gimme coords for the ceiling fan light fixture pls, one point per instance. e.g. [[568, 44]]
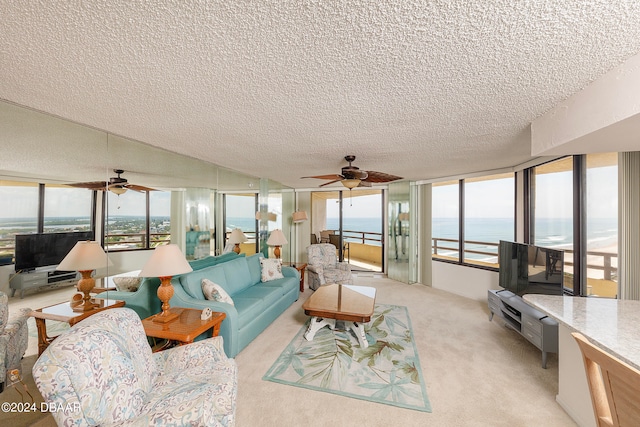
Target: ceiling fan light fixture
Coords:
[[350, 183], [117, 189]]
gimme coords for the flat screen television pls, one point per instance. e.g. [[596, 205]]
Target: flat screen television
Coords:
[[46, 249], [530, 269]]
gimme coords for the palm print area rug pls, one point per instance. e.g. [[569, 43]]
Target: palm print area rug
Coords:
[[388, 371]]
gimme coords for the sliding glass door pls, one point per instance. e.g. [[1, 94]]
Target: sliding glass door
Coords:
[[352, 221]]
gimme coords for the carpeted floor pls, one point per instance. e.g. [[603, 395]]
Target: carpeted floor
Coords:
[[17, 395], [478, 373], [387, 371]]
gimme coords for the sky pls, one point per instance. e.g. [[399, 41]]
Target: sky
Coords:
[[18, 202], [493, 198], [484, 199]]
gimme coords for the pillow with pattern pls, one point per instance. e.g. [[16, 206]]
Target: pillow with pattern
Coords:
[[271, 269], [127, 283], [214, 292]]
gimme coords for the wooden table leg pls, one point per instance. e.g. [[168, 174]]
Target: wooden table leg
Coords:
[[302, 280], [43, 339]]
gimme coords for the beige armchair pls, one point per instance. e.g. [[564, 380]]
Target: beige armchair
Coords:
[[323, 266]]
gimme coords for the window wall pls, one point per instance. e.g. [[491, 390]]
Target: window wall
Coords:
[[552, 211], [126, 222], [602, 225], [240, 212], [446, 220], [18, 215], [489, 216], [576, 209], [67, 209], [482, 209]]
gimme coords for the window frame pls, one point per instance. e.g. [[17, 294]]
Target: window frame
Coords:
[[461, 228]]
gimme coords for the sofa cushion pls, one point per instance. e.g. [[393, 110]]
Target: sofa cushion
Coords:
[[284, 285], [239, 278], [271, 269], [248, 309], [192, 282], [255, 269], [214, 292], [269, 294]]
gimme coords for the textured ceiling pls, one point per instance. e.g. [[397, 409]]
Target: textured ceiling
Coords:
[[284, 89]]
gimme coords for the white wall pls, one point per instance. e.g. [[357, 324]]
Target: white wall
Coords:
[[468, 282], [603, 117]]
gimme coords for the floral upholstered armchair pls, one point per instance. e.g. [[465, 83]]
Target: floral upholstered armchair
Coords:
[[323, 266], [102, 372], [14, 338]]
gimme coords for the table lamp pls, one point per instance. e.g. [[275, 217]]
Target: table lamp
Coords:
[[85, 257], [166, 262], [237, 237], [277, 239]]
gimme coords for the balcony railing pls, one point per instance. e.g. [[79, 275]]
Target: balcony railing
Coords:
[[596, 260], [126, 241]]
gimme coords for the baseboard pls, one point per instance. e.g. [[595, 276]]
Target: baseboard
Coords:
[[578, 418]]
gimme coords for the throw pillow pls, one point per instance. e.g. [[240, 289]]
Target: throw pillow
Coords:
[[271, 269], [214, 292], [127, 283]]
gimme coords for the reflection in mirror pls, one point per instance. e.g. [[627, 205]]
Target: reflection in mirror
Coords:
[[399, 238], [42, 154]]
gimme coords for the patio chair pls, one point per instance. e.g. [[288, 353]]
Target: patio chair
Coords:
[[14, 338], [323, 266]]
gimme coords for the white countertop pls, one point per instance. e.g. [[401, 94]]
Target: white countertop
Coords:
[[611, 324]]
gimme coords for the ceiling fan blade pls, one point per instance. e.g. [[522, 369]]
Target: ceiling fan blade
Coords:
[[330, 182], [330, 176], [376, 177], [138, 187], [96, 185], [364, 184]]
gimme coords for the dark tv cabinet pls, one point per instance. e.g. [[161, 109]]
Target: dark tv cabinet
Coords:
[[537, 328], [39, 278]]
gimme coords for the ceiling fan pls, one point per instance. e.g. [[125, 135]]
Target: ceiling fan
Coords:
[[352, 176], [116, 184]]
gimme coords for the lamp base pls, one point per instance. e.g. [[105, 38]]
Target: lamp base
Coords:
[[85, 285], [165, 317], [86, 306], [165, 292]]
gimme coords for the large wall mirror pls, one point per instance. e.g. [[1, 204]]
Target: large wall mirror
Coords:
[[43, 155]]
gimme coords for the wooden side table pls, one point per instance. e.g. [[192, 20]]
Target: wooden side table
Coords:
[[300, 266], [63, 312], [184, 329]]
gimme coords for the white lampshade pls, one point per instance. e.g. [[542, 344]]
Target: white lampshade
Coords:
[[118, 189], [350, 183], [299, 216], [277, 238], [84, 256], [167, 260], [237, 236]]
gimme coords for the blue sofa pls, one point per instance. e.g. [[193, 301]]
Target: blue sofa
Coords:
[[145, 300], [256, 303]]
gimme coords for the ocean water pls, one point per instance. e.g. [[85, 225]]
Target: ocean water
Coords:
[[557, 233]]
